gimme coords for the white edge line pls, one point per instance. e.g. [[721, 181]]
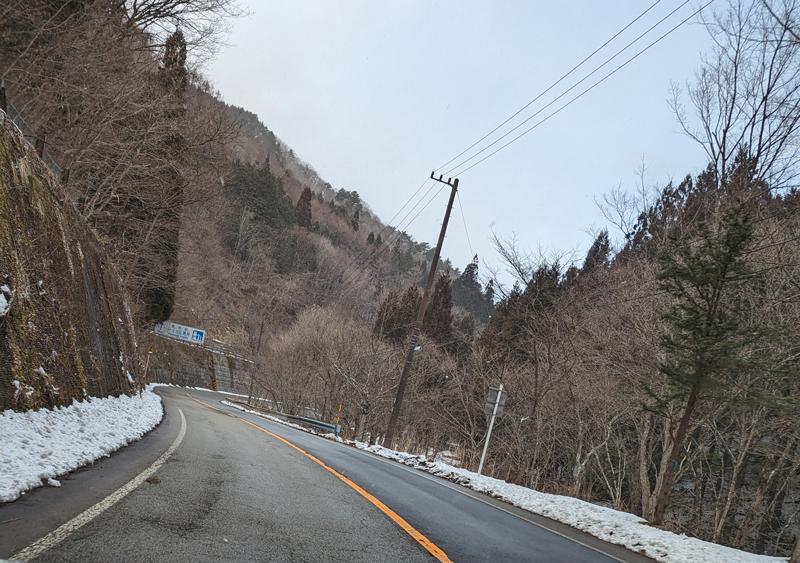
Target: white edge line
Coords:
[[62, 532]]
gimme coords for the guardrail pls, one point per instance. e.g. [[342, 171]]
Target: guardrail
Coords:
[[335, 428]]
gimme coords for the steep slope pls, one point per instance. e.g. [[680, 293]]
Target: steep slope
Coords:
[[65, 330]]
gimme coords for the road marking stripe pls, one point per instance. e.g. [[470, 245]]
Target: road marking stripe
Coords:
[[477, 496], [62, 532], [432, 548]]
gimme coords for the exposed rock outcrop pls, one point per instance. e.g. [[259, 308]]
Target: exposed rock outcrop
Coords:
[[65, 329]]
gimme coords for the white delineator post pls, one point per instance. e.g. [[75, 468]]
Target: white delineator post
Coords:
[[491, 424], [147, 363]]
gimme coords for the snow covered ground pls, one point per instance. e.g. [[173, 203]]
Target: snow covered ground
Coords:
[[611, 525], [268, 416], [38, 446]]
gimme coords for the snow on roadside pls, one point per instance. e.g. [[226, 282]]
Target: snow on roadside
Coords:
[[268, 416], [154, 385], [613, 526], [607, 524], [40, 445]]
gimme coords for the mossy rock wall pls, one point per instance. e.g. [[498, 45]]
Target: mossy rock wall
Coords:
[[65, 330]]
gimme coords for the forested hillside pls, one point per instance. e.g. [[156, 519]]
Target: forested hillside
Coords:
[[659, 374]]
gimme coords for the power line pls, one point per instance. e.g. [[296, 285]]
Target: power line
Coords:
[[361, 268], [386, 226], [399, 228], [372, 254], [739, 278], [373, 251], [782, 214], [779, 243], [398, 231], [559, 81], [592, 87], [556, 83], [464, 221], [353, 276]]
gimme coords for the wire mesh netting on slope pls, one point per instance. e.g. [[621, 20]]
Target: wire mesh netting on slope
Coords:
[[64, 328]]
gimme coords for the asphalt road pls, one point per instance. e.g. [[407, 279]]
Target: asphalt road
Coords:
[[232, 492]]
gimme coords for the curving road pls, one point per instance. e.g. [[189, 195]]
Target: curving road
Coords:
[[242, 488]]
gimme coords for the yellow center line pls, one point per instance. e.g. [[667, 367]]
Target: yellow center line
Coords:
[[410, 530]]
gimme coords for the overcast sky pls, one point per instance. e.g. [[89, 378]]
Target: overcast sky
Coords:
[[376, 95]]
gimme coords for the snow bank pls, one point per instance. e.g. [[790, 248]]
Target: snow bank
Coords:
[[40, 445], [271, 417]]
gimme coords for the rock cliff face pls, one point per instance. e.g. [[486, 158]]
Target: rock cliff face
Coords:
[[65, 329]]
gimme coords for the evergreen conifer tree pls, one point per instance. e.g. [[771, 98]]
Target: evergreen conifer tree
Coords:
[[174, 61], [470, 275], [406, 260], [396, 315], [488, 293], [371, 238], [598, 254], [261, 192], [707, 331], [354, 220], [438, 322], [386, 321], [468, 294], [303, 208]]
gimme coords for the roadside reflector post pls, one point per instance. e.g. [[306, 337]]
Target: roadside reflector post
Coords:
[[494, 405], [147, 363]]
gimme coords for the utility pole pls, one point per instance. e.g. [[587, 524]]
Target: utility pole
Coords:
[[260, 331], [412, 347]]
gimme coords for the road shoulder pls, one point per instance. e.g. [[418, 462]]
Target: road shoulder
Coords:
[[42, 510]]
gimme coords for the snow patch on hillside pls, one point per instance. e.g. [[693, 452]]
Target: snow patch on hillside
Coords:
[[40, 445], [4, 302]]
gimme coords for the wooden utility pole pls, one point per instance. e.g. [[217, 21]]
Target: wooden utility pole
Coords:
[[260, 331], [412, 346]]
